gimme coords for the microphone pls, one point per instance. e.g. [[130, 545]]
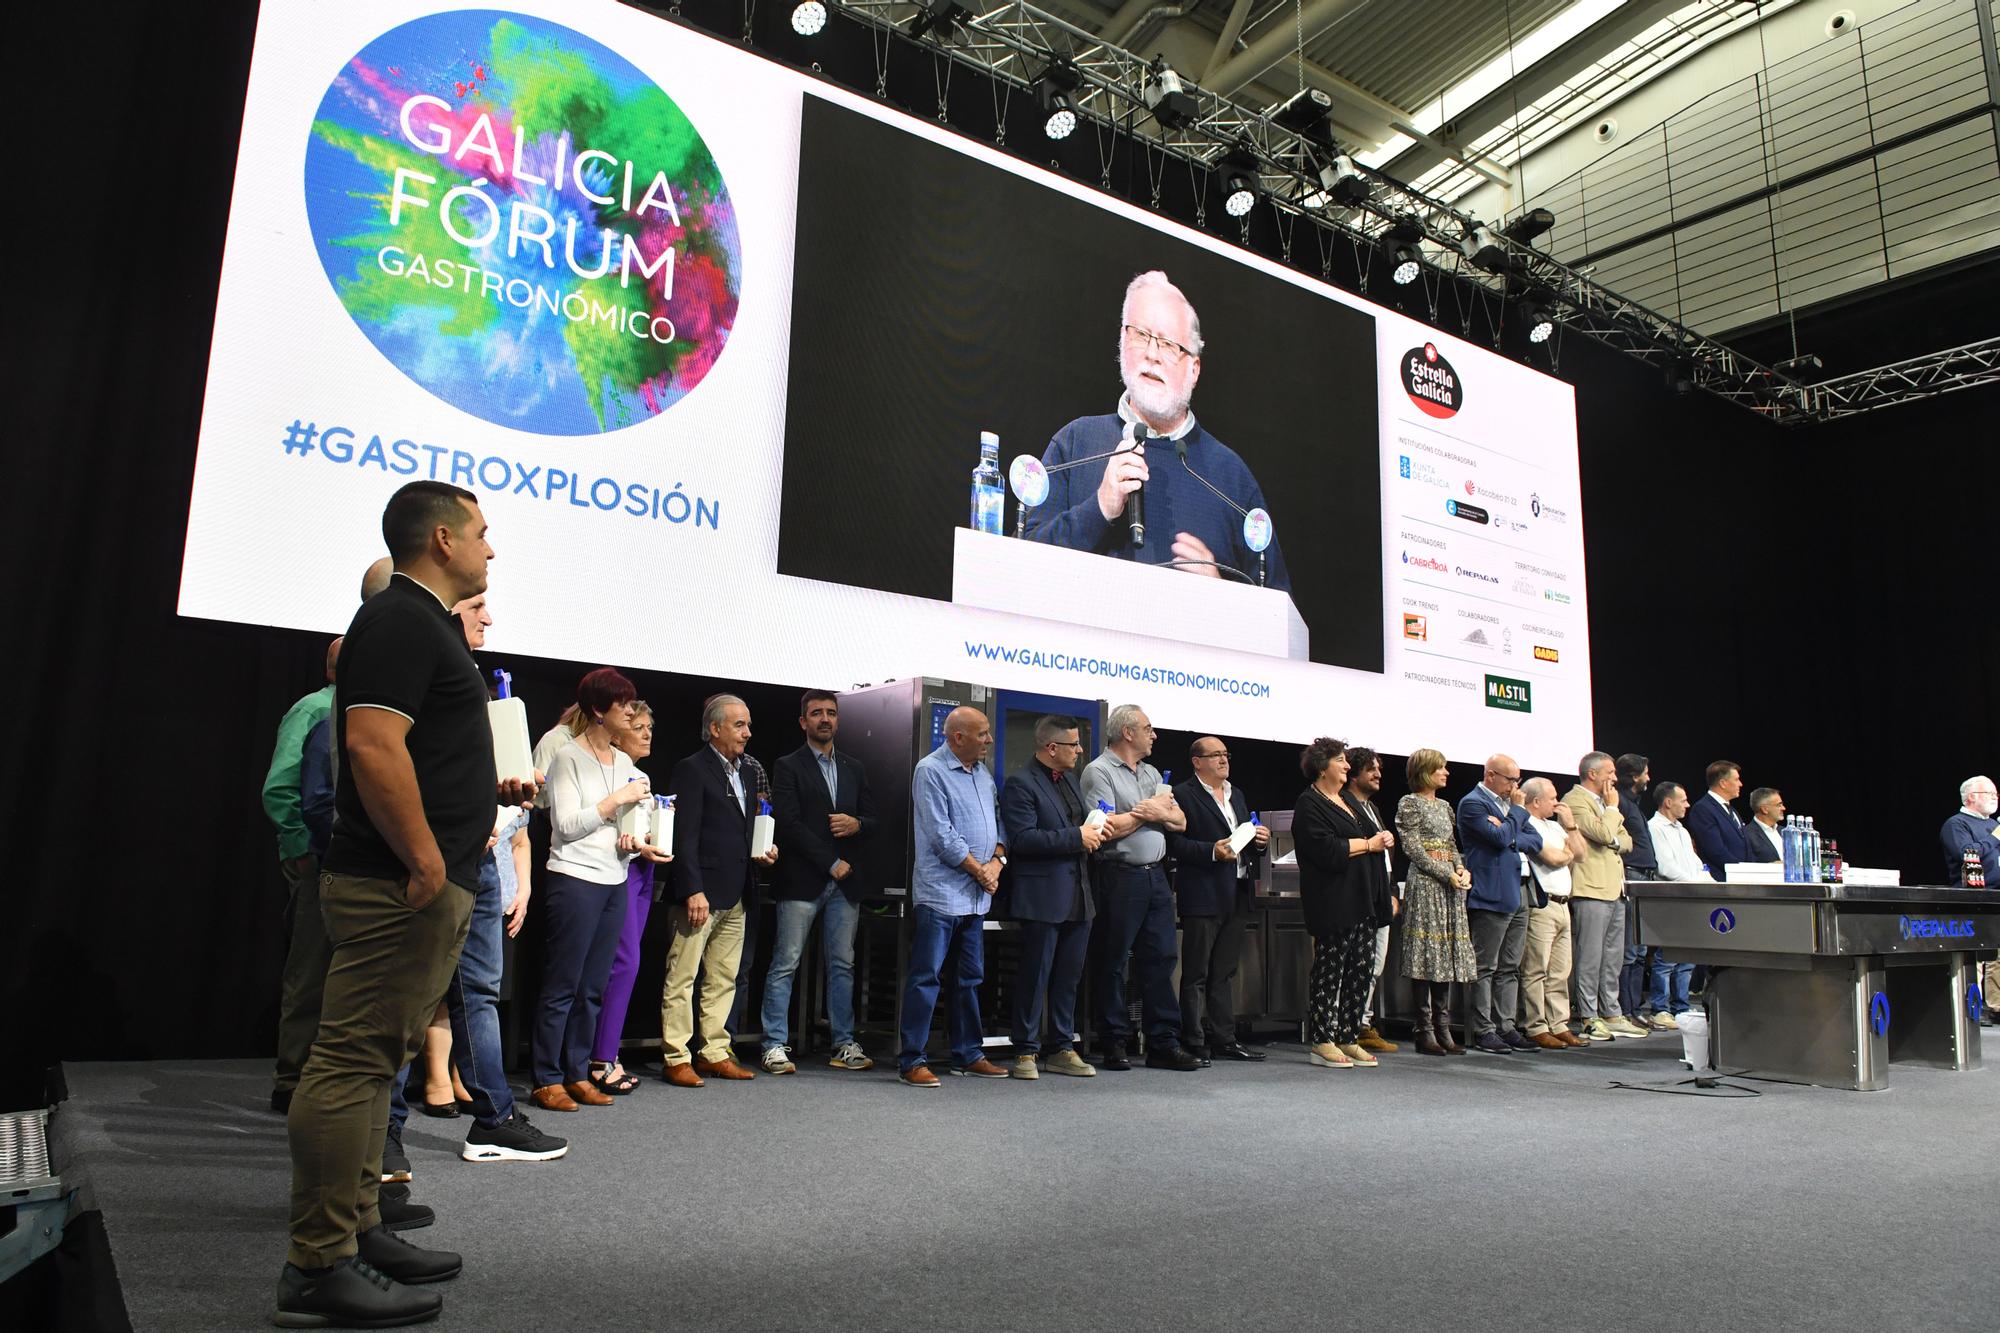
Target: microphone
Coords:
[[1256, 522], [1029, 476], [1135, 503]]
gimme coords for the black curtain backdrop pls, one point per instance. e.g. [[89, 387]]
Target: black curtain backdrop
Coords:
[[1816, 604]]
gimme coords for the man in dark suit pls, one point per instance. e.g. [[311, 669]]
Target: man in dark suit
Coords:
[[1713, 823], [1764, 835], [1497, 839], [1050, 836], [1212, 892], [825, 816], [713, 873]]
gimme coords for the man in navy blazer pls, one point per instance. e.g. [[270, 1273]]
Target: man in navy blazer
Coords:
[[1211, 892], [825, 815], [1049, 837], [1764, 835], [1496, 839], [1713, 823], [715, 793]]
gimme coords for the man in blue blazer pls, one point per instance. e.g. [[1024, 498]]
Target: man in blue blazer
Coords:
[[1211, 893], [1713, 823], [1049, 838], [825, 816], [1496, 839]]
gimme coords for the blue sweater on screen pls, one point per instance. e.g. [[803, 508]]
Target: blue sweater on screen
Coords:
[[1175, 501]]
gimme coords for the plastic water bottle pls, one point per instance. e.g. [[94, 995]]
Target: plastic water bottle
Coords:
[[1791, 836], [1812, 857], [988, 499]]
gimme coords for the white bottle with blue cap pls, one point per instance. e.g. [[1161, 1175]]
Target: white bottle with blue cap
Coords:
[[763, 829], [513, 756]]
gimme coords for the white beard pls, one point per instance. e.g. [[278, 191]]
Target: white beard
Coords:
[[1155, 401]]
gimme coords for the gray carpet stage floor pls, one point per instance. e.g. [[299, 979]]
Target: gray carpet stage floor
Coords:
[[1476, 1192]]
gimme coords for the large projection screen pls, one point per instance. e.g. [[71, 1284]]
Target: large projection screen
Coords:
[[714, 344]]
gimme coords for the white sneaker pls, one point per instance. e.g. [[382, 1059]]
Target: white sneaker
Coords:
[[777, 1060], [849, 1055]]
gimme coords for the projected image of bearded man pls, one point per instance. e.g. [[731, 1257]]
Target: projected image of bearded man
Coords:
[[1187, 526]]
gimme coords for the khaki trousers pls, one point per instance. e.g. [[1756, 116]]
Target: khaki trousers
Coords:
[[1545, 967], [304, 978], [714, 950], [390, 966]]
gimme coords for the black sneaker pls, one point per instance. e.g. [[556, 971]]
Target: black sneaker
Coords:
[[386, 1252], [1171, 1057], [395, 1162], [398, 1213], [512, 1140], [350, 1294]]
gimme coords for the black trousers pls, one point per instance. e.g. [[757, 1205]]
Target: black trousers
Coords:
[[1343, 965], [1135, 917], [1211, 947]]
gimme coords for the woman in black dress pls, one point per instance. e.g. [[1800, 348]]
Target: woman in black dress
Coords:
[[1344, 889]]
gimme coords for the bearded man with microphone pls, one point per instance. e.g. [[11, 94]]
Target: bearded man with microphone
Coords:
[[1180, 501]]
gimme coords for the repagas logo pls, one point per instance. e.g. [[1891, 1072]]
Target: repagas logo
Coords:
[[1431, 382], [523, 223]]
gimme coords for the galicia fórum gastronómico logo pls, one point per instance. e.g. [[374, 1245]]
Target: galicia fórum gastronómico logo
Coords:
[[523, 223]]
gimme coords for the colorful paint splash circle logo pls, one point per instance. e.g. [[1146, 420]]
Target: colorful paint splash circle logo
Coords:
[[523, 223]]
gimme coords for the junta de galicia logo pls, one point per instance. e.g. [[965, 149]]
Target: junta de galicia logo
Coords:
[[523, 223], [1431, 382]]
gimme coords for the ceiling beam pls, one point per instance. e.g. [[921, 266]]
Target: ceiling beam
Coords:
[[1274, 44]]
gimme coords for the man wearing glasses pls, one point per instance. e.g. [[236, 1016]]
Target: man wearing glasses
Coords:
[[1187, 526], [1212, 884], [1050, 836], [1497, 839]]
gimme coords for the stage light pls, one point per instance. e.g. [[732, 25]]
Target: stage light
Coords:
[[809, 18], [1241, 182], [1529, 225], [1485, 252], [1054, 92], [1541, 324], [1339, 182], [1170, 102], [1402, 238], [946, 18], [1308, 114]]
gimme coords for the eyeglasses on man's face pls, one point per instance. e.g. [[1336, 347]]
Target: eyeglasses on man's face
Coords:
[[1065, 745], [1167, 349]]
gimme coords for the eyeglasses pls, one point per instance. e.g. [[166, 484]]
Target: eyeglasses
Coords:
[[1066, 745], [1169, 350]]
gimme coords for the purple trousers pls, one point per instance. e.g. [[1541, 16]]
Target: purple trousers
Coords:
[[625, 966]]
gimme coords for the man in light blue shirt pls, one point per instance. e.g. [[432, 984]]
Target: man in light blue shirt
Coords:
[[958, 853]]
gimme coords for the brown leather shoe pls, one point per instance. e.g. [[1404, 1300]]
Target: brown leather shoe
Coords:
[[980, 1068], [918, 1076], [1549, 1042], [682, 1075], [722, 1069], [552, 1098], [1371, 1040], [584, 1095], [1568, 1038]]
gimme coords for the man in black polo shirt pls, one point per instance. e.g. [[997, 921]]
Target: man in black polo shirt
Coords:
[[413, 805]]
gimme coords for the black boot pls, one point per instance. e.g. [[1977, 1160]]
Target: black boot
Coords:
[[1427, 1042]]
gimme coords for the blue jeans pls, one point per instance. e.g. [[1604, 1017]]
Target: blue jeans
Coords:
[[795, 923], [472, 999], [1669, 979], [935, 939]]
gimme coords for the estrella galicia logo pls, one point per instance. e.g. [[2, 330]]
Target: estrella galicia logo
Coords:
[[523, 222], [1722, 920], [1878, 1015], [1470, 513], [1935, 928], [1431, 382]]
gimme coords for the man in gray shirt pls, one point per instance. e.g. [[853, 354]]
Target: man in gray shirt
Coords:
[[1134, 904]]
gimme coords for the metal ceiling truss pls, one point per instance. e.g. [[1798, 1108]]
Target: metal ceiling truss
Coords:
[[1014, 44], [1925, 376]]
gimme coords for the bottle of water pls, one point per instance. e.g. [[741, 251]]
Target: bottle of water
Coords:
[[1794, 838], [988, 499], [1812, 853]]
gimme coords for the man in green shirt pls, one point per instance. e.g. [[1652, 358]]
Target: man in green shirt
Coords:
[[306, 953]]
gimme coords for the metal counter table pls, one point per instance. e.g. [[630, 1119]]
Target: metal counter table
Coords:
[[1830, 983]]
